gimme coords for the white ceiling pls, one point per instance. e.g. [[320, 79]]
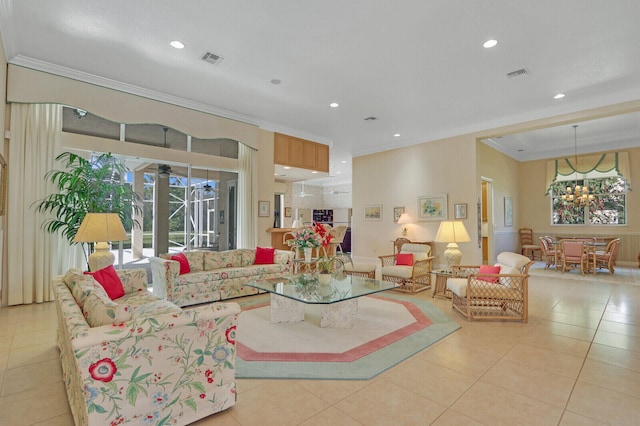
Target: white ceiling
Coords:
[[417, 66]]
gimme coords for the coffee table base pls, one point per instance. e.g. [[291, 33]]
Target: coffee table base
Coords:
[[334, 315]]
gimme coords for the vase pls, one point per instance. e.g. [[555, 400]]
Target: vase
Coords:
[[324, 279], [307, 254]]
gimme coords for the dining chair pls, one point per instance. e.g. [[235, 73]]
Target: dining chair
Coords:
[[574, 253], [527, 246], [607, 258], [550, 253]]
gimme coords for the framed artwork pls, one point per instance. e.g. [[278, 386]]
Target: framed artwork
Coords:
[[397, 212], [3, 184], [287, 212], [508, 211], [460, 211], [263, 209], [373, 212], [432, 207]]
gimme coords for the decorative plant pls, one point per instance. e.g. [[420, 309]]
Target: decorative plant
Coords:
[[88, 186], [312, 236]]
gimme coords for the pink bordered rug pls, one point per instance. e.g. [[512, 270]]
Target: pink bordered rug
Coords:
[[388, 329]]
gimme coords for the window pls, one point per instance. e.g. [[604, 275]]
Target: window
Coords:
[[607, 208]]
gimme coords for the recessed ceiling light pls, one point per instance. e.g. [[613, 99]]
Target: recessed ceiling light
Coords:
[[334, 105], [344, 161], [490, 43], [396, 135], [338, 173], [287, 167], [559, 96], [275, 81], [314, 172], [177, 44]]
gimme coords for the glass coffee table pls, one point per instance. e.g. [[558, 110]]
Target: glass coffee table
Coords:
[[339, 298]]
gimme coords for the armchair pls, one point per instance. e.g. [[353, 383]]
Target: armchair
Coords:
[[550, 254], [410, 269], [482, 295], [607, 259], [574, 252]]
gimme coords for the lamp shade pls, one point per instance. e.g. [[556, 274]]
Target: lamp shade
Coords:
[[452, 232], [100, 227], [404, 219]]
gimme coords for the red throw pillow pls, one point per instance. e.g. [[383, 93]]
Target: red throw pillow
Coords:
[[184, 263], [486, 269], [264, 255], [109, 280], [404, 259]]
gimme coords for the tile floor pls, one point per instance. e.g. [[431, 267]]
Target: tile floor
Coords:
[[577, 362]]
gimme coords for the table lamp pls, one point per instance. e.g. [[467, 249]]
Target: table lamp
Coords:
[[452, 232], [404, 220], [100, 228]]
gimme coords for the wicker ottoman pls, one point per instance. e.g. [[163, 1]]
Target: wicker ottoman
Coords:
[[366, 270]]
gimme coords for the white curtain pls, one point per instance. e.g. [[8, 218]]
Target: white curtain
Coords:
[[247, 197], [33, 255]]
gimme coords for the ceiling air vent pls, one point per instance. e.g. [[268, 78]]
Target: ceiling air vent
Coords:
[[518, 73], [212, 58]]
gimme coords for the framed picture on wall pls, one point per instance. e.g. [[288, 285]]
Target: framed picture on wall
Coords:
[[287, 212], [508, 211], [263, 208], [432, 207], [397, 212], [373, 212], [460, 211]]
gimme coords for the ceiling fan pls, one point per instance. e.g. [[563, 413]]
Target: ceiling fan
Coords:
[[164, 170], [303, 194], [335, 191], [208, 189]]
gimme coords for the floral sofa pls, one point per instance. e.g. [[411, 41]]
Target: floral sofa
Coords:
[[214, 275], [150, 362]]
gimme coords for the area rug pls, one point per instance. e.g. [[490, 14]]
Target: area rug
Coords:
[[622, 275], [389, 329]]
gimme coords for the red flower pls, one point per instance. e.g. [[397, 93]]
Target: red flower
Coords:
[[103, 370], [203, 396], [231, 335], [209, 380]]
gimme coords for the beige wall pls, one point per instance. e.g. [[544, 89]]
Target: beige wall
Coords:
[[397, 178], [502, 173], [3, 150], [456, 166], [266, 185]]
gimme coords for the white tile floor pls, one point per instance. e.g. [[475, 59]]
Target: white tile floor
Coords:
[[576, 362]]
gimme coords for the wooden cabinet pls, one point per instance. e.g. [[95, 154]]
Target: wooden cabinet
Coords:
[[296, 152]]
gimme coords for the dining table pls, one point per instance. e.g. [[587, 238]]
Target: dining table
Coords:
[[592, 245]]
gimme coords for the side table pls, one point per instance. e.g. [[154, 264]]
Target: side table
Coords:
[[440, 287]]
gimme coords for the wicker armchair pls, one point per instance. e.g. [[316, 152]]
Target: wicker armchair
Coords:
[[607, 259], [410, 278], [550, 254], [492, 296]]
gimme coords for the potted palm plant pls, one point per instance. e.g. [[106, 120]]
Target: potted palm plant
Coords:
[[88, 186]]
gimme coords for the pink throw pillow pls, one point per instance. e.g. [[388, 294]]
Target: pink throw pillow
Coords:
[[404, 259], [264, 255], [486, 269], [109, 280], [184, 263]]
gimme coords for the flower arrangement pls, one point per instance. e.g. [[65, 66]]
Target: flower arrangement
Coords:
[[312, 236]]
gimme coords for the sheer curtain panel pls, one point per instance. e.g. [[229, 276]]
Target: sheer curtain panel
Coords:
[[33, 256], [247, 197]]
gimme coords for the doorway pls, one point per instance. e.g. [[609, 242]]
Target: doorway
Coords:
[[486, 224]]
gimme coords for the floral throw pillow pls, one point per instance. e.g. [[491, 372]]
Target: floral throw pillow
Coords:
[[99, 309]]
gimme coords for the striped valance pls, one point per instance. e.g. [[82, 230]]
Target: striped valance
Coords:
[[603, 163]]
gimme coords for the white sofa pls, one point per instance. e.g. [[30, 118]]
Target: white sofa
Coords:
[[151, 362], [214, 275]]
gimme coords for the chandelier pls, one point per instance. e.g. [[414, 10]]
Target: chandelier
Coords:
[[577, 195]]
